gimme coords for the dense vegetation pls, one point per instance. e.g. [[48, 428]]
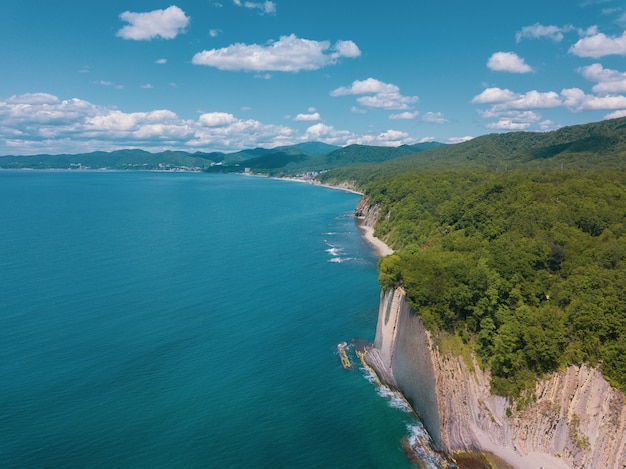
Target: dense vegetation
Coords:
[[528, 268], [293, 160], [514, 244], [599, 145]]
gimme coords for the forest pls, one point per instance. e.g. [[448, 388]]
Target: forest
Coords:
[[527, 268], [514, 247]]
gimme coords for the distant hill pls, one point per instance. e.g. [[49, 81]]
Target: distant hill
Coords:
[[297, 159], [281, 161], [598, 145], [121, 159]]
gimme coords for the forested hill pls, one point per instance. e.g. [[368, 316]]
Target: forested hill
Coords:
[[599, 145], [290, 160], [526, 267]]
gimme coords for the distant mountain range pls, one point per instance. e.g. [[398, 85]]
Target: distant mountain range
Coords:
[[280, 161], [600, 145]]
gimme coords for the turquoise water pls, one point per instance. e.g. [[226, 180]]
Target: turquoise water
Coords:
[[185, 320]]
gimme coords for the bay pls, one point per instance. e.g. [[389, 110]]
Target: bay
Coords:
[[186, 320]]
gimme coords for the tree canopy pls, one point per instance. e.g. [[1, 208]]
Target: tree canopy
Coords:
[[529, 268]]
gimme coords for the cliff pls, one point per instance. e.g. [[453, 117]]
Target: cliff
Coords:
[[575, 419]]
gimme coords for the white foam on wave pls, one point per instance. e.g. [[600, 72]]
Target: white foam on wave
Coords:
[[394, 399], [333, 251], [420, 444], [369, 375], [418, 440]]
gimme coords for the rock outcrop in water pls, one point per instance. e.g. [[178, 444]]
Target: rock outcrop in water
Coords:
[[575, 419]]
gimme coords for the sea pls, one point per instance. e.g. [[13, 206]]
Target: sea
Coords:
[[187, 320]]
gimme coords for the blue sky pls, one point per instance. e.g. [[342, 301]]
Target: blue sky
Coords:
[[205, 75]]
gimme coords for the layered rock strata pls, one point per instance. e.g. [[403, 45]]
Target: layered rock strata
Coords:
[[575, 419]]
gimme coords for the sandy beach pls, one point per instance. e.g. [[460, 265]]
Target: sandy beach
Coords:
[[380, 247]]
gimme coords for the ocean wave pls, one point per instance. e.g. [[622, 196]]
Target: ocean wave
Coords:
[[420, 445], [333, 251], [394, 399]]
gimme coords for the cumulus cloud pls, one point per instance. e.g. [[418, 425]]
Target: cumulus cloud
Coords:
[[435, 118], [265, 8], [160, 61], [616, 114], [494, 95], [377, 94], [43, 123], [516, 110], [539, 31], [599, 45], [313, 116], [388, 138], [166, 24], [508, 62], [466, 138], [577, 100], [216, 119], [608, 81], [508, 124], [288, 54], [506, 99], [405, 115]]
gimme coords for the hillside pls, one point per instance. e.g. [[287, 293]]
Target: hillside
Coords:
[[280, 161], [512, 245], [599, 145]]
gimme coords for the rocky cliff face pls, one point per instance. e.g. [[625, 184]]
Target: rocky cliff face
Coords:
[[575, 420]]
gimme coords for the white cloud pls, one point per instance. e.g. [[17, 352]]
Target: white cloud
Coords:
[[435, 118], [166, 24], [599, 45], [453, 140], [43, 123], [506, 99], [146, 86], [288, 54], [214, 32], [508, 124], [379, 94], [314, 116], [538, 31], [346, 49], [514, 111], [33, 98], [508, 62], [576, 100], [616, 114], [216, 119], [494, 95], [160, 61], [388, 138], [405, 115], [266, 7], [608, 81]]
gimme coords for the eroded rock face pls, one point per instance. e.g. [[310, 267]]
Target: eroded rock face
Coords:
[[576, 419], [366, 213]]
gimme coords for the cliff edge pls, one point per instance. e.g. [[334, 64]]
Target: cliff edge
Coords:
[[575, 419]]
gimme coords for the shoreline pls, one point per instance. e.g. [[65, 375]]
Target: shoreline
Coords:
[[379, 246]]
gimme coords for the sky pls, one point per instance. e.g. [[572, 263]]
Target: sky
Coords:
[[205, 75]]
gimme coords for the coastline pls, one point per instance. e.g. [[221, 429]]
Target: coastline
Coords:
[[379, 246]]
